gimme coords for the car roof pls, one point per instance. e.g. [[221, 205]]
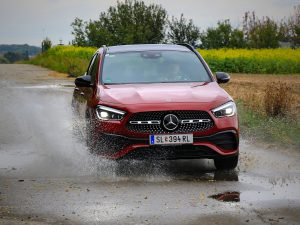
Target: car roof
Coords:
[[146, 47]]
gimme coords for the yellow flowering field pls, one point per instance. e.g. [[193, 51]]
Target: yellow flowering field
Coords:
[[271, 61], [74, 60]]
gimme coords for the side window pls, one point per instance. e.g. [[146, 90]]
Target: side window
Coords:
[[94, 68], [91, 65]]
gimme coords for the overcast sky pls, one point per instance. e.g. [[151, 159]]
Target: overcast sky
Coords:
[[29, 21]]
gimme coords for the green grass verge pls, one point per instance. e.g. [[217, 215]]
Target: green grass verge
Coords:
[[65, 59], [278, 130]]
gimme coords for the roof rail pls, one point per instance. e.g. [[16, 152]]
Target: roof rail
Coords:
[[104, 49]]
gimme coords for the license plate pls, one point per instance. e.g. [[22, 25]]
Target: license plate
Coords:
[[169, 139]]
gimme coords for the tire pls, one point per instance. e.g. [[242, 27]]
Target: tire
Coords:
[[94, 142], [89, 135], [226, 163]]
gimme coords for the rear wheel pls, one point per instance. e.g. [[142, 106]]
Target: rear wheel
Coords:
[[226, 163]]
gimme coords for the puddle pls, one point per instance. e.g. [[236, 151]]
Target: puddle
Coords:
[[50, 86], [227, 197], [68, 85], [39, 86]]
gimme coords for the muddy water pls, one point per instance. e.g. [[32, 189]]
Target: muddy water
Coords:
[[47, 175]]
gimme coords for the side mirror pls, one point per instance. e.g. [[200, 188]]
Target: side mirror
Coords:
[[222, 77], [83, 81]]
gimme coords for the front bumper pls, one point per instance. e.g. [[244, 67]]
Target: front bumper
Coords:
[[219, 144]]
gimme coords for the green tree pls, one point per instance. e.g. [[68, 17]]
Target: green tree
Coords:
[[222, 36], [183, 31], [237, 39], [130, 22], [3, 60], [15, 56], [80, 38], [284, 31], [294, 23], [32, 50], [261, 33], [46, 44]]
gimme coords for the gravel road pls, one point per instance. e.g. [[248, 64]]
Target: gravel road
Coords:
[[47, 175]]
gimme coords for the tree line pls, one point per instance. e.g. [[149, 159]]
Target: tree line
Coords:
[[16, 52], [11, 57], [133, 22]]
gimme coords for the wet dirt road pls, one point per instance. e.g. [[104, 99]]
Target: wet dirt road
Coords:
[[48, 177]]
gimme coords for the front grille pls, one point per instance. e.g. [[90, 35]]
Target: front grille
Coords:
[[190, 121]]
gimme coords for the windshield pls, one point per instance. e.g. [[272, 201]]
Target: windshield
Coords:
[[153, 67]]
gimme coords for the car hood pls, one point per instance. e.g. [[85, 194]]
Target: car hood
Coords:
[[162, 93]]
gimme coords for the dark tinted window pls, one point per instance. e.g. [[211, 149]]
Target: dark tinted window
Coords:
[[153, 67]]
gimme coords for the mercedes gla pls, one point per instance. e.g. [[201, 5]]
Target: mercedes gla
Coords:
[[157, 101]]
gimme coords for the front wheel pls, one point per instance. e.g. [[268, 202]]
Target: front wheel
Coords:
[[226, 163]]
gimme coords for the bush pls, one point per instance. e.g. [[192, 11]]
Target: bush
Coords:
[[3, 60], [13, 57], [277, 99], [46, 44], [65, 59]]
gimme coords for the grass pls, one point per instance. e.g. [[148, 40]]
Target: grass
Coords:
[[65, 59], [255, 94], [253, 90], [282, 131]]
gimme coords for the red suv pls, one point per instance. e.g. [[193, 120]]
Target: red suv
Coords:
[[157, 101]]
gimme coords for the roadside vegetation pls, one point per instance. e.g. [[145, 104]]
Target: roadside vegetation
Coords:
[[65, 59], [12, 57], [14, 53], [265, 61], [74, 60], [268, 107]]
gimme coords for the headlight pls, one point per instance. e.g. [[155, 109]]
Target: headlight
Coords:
[[228, 109], [107, 113]]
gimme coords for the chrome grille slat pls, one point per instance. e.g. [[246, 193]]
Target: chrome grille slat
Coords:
[[146, 122], [195, 121]]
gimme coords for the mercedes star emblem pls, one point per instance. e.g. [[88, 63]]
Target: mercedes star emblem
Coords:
[[170, 122]]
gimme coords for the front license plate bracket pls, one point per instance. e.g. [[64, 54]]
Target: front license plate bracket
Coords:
[[171, 139]]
